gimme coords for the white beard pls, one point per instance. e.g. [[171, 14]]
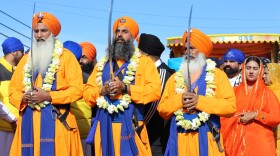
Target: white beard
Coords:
[[196, 65], [42, 54]]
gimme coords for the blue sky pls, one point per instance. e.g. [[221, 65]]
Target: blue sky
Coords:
[[87, 20]]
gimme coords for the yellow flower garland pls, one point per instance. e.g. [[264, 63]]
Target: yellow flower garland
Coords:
[[49, 78], [130, 75], [180, 85]]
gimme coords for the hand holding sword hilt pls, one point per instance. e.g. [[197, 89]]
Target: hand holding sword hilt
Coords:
[[32, 95], [189, 101], [29, 97], [110, 84]]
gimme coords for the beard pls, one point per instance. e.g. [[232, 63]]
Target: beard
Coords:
[[87, 67], [229, 70], [122, 51], [42, 54], [196, 65]]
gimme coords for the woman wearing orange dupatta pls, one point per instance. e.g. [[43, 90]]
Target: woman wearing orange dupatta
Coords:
[[250, 131], [271, 78]]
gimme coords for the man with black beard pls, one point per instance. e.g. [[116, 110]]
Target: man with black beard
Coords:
[[88, 59], [80, 109], [118, 128], [233, 60]]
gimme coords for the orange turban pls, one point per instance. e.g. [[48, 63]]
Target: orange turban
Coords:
[[128, 22], [199, 40], [49, 20], [88, 50]]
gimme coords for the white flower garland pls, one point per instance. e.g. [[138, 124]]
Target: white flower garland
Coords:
[[180, 84], [130, 75], [49, 78]]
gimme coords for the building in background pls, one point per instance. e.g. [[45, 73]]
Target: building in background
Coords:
[[262, 45]]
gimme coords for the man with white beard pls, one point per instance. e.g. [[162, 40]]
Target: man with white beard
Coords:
[[195, 115], [46, 125], [41, 53]]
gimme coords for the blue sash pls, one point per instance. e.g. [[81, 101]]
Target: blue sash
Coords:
[[127, 145], [27, 133], [172, 145], [47, 129]]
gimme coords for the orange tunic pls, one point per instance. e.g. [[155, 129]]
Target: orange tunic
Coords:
[[255, 138], [69, 89], [274, 75], [275, 87], [223, 104], [146, 89]]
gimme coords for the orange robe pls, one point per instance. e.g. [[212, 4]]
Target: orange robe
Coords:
[[146, 89], [255, 138], [69, 89], [223, 104], [274, 74]]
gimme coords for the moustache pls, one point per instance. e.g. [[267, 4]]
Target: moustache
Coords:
[[40, 40], [120, 39], [227, 66], [191, 56]]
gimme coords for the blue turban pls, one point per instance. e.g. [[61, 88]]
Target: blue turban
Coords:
[[74, 47], [175, 63], [220, 61], [12, 44], [234, 55]]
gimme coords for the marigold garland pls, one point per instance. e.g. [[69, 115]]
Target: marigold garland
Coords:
[[180, 88], [130, 76], [49, 77]]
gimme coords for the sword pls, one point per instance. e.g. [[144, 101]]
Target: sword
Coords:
[[216, 135], [188, 51], [62, 117], [32, 65], [109, 44], [109, 38]]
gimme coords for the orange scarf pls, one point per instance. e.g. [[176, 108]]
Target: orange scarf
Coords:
[[238, 138]]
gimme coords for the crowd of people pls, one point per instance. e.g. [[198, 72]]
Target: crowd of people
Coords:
[[58, 99]]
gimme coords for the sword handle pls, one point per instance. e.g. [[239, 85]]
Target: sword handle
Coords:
[[111, 94]]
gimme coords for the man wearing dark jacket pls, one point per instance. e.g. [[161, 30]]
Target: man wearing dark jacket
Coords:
[[157, 127]]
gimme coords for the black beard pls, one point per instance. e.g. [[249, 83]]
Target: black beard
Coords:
[[87, 67], [122, 51], [230, 70]]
